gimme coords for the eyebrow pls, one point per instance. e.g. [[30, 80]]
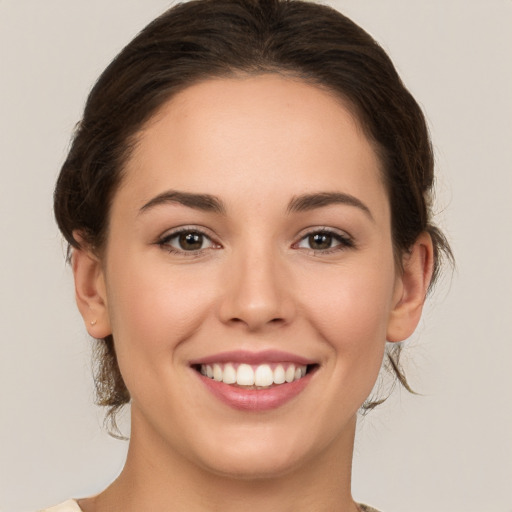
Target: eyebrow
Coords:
[[308, 202], [204, 202], [210, 203]]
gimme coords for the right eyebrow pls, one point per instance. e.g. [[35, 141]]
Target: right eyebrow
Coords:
[[204, 202]]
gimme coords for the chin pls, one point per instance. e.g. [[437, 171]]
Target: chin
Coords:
[[240, 467], [258, 455]]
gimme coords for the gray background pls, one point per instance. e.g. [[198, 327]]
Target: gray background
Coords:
[[448, 450]]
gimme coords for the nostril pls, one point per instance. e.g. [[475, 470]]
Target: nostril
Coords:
[[254, 322]]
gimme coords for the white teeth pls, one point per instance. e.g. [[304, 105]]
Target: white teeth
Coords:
[[264, 376], [229, 375], [245, 375], [217, 372], [279, 375], [259, 375]]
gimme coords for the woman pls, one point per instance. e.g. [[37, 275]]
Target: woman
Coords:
[[247, 199]]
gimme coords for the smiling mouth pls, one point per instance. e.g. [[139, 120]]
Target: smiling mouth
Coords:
[[261, 376]]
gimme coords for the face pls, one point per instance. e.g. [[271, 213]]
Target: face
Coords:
[[249, 279]]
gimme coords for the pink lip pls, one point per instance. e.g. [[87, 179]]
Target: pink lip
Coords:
[[256, 400], [243, 356]]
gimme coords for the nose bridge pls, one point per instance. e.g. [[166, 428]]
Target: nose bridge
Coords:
[[255, 293]]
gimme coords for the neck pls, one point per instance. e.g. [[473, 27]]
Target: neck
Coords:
[[153, 479]]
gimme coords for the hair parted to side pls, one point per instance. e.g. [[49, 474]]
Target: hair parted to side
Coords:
[[204, 39]]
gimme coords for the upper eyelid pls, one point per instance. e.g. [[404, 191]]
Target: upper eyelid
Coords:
[[186, 229], [323, 229]]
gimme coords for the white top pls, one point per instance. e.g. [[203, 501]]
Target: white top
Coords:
[[72, 506], [67, 506]]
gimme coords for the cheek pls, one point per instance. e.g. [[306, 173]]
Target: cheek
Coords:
[[152, 311], [352, 315], [353, 326], [153, 308]]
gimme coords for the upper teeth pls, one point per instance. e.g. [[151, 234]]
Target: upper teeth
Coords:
[[253, 375]]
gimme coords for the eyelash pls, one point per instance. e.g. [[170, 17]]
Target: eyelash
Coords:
[[342, 241]]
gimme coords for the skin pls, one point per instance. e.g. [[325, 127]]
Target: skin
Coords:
[[256, 143]]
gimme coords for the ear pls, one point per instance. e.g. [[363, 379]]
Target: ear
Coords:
[[90, 291], [411, 289]]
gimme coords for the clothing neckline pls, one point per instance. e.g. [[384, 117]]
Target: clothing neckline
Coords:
[[361, 506]]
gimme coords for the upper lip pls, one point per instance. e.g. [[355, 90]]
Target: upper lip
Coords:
[[247, 357]]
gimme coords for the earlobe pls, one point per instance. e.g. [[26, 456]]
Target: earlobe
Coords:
[[412, 289], [90, 292]]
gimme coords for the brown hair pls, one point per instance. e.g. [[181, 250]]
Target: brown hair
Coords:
[[202, 39]]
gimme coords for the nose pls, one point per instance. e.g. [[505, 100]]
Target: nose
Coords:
[[257, 292]]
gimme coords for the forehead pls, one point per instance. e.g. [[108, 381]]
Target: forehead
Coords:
[[238, 135]]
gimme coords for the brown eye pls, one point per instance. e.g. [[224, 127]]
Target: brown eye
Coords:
[[326, 241], [186, 241], [320, 241], [190, 241]]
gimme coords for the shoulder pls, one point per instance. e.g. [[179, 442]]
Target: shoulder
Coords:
[[67, 506]]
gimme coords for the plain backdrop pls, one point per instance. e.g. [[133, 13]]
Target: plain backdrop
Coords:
[[448, 450]]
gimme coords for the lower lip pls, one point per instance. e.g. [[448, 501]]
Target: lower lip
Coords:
[[255, 399]]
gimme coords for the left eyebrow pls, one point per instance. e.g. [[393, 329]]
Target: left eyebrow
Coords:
[[308, 202]]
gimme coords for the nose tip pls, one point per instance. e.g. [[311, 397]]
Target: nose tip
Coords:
[[256, 296], [255, 316]]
